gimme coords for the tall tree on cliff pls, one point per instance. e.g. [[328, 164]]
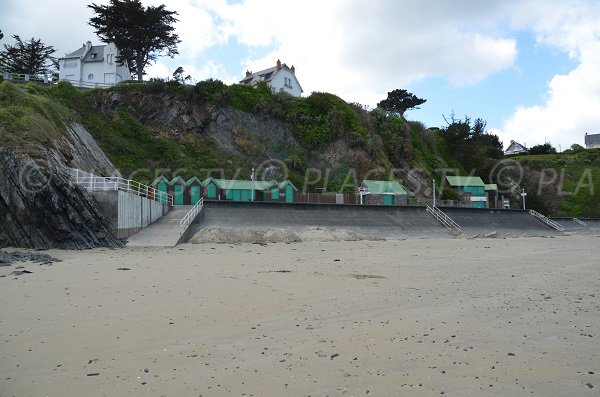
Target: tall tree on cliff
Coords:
[[141, 34], [399, 101], [27, 57]]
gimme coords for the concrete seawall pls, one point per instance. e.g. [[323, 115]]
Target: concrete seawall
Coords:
[[379, 221], [129, 213]]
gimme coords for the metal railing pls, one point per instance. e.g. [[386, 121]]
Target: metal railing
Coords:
[[192, 213], [443, 218], [547, 221], [93, 182], [580, 222]]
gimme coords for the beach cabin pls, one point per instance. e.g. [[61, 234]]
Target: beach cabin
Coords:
[[210, 189], [279, 191], [177, 188], [471, 187], [161, 184], [237, 190], [288, 189], [382, 192], [194, 190]]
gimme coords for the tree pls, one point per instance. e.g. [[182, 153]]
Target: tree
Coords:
[[178, 76], [29, 57], [399, 101], [1, 35], [141, 34], [546, 148]]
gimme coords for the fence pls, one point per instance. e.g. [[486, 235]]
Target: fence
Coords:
[[24, 78], [547, 221], [93, 182], [443, 218], [49, 79]]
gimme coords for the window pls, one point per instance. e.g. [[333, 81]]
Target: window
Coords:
[[109, 58], [91, 76], [287, 82]]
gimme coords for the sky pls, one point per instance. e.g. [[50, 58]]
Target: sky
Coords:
[[530, 68]]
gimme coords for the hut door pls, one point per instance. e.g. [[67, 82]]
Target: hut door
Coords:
[[195, 194], [178, 194], [162, 187], [289, 194], [388, 199], [212, 191]]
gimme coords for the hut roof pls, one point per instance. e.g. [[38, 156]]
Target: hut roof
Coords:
[[384, 187], [159, 179], [465, 181]]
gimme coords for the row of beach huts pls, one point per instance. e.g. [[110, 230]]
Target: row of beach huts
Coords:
[[374, 192]]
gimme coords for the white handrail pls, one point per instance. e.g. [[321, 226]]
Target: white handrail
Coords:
[[580, 222], [192, 213], [443, 218], [547, 221], [93, 182]]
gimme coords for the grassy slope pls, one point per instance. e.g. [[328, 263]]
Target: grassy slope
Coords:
[[577, 182], [31, 113]]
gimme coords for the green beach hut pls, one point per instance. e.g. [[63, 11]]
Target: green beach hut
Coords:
[[194, 189], [178, 188], [382, 192], [210, 188], [288, 189], [471, 186], [162, 185]]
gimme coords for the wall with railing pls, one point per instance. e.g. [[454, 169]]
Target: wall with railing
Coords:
[[129, 205]]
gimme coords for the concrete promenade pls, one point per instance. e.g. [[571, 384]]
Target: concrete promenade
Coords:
[[165, 232]]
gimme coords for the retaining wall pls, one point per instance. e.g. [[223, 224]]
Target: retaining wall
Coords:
[[129, 213]]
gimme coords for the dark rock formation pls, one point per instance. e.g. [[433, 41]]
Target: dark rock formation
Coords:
[[40, 206]]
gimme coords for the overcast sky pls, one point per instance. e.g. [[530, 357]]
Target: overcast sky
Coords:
[[531, 68]]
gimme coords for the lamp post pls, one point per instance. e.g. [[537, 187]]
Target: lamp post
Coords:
[[523, 194], [433, 183]]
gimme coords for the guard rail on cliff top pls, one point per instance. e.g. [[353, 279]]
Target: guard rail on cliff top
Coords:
[[96, 183]]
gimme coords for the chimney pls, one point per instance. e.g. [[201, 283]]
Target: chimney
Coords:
[[293, 69], [248, 73], [278, 64], [88, 45]]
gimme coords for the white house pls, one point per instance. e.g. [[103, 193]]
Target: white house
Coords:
[[515, 148], [92, 66], [280, 77], [592, 141]]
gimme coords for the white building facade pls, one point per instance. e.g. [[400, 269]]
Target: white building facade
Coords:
[[93, 66], [281, 78]]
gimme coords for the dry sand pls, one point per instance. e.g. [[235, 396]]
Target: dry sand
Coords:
[[455, 317]]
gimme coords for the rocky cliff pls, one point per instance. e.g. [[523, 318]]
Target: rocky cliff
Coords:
[[40, 206]]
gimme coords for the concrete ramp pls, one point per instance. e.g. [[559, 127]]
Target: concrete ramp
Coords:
[[376, 221], [165, 232], [504, 222]]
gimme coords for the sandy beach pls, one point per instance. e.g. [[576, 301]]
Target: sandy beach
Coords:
[[454, 317]]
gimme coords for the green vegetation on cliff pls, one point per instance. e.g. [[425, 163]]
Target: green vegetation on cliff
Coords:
[[167, 128]]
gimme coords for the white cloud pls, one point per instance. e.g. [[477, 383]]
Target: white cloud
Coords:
[[572, 103]]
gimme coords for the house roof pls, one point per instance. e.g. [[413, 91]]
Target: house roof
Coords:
[[465, 181], [95, 54], [491, 186], [591, 139], [384, 187], [515, 146]]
